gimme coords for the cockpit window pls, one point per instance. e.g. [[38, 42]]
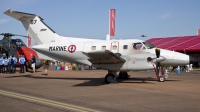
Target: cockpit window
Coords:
[[148, 45], [20, 43], [17, 42], [138, 46]]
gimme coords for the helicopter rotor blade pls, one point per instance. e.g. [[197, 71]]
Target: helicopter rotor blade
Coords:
[[10, 34], [20, 35]]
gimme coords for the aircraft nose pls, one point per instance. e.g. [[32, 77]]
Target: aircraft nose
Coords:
[[192, 60]]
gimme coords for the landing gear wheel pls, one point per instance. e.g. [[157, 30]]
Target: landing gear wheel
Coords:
[[123, 75], [109, 78], [162, 79]]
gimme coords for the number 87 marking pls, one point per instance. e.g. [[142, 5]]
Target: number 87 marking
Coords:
[[33, 21]]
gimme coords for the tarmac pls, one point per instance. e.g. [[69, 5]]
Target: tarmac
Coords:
[[72, 91]]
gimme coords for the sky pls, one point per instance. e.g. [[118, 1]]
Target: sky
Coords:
[[90, 18]]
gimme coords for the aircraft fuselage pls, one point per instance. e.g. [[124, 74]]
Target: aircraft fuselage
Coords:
[[136, 58]]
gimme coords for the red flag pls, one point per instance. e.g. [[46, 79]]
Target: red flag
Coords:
[[198, 31], [112, 22], [29, 41]]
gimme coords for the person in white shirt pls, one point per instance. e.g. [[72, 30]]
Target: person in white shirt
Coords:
[[191, 67], [5, 65], [22, 61], [188, 68]]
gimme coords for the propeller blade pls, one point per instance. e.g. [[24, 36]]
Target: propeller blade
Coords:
[[157, 50], [6, 34]]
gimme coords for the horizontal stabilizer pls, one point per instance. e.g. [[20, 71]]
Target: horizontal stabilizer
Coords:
[[104, 57], [18, 15]]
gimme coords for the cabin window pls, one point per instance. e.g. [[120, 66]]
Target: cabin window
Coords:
[[103, 48], [93, 48], [125, 47], [114, 47]]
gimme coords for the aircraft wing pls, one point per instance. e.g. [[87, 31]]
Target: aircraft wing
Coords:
[[104, 57]]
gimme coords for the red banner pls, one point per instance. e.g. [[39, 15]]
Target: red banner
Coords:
[[29, 41], [112, 22], [198, 32]]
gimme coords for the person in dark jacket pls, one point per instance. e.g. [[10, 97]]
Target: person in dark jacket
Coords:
[[33, 63]]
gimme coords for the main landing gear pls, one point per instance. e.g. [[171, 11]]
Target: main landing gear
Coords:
[[112, 76], [123, 75]]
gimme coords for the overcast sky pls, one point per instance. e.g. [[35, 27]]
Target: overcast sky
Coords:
[[90, 18]]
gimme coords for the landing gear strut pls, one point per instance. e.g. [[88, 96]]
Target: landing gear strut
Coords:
[[161, 75], [159, 72]]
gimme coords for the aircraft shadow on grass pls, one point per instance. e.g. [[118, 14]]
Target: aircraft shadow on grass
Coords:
[[94, 81]]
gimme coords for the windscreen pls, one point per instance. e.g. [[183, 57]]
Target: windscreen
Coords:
[[138, 46], [148, 45]]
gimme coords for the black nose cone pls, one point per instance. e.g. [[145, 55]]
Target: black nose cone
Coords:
[[192, 60]]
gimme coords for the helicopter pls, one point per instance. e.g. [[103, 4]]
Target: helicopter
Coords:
[[143, 35], [16, 47]]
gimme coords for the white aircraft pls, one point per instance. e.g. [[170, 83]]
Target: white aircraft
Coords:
[[112, 55]]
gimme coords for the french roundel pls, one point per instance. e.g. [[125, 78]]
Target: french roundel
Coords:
[[72, 48]]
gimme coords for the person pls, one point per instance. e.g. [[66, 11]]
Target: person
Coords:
[[10, 64], [46, 66], [22, 62], [14, 64], [183, 68], [187, 68], [55, 64], [33, 63], [90, 67], [173, 68], [5, 65], [191, 67], [27, 65], [1, 64], [51, 64]]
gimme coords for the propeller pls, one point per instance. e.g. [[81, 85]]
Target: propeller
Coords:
[[158, 67], [157, 61]]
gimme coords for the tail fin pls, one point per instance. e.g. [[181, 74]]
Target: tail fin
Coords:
[[39, 32]]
